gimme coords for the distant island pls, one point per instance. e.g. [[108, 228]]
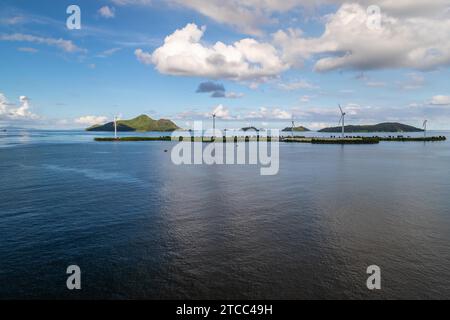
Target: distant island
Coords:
[[141, 123], [250, 129], [295, 129], [381, 127]]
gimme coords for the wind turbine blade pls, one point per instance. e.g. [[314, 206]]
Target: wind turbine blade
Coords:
[[341, 109], [340, 120]]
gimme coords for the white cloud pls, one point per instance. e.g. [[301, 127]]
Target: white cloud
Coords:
[[316, 117], [91, 120], [10, 111], [234, 95], [131, 2], [249, 16], [224, 113], [440, 100], [221, 112], [347, 43], [66, 45], [12, 20], [296, 85], [375, 84], [107, 12], [183, 54], [246, 16], [3, 105], [108, 53], [266, 113]]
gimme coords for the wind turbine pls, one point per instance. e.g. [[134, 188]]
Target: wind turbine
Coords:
[[115, 127], [214, 124], [293, 126], [425, 128], [343, 121]]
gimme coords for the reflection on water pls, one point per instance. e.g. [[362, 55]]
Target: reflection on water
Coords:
[[94, 174], [141, 227]]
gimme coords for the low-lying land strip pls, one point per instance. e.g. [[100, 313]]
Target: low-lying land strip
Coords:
[[297, 139]]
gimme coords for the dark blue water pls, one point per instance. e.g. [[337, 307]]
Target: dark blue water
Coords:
[[140, 227]]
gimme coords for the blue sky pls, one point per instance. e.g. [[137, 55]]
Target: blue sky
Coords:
[[274, 61]]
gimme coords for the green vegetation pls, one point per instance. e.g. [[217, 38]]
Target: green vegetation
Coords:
[[134, 139], [411, 139], [297, 139], [250, 129], [296, 129], [142, 123], [381, 127], [357, 140]]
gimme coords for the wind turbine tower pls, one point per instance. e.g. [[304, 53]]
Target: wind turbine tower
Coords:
[[115, 127], [214, 125], [342, 120], [293, 126], [425, 128]]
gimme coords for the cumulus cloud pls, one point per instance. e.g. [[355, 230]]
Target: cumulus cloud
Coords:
[[440, 100], [249, 16], [411, 34], [183, 54], [11, 111], [269, 114], [246, 16], [91, 120], [222, 112], [348, 43], [66, 45], [107, 12]]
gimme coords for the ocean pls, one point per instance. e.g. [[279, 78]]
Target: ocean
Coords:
[[140, 227]]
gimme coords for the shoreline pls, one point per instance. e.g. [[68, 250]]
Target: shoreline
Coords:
[[298, 139]]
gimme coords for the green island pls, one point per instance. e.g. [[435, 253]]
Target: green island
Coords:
[[296, 129], [142, 123], [250, 129], [380, 127]]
